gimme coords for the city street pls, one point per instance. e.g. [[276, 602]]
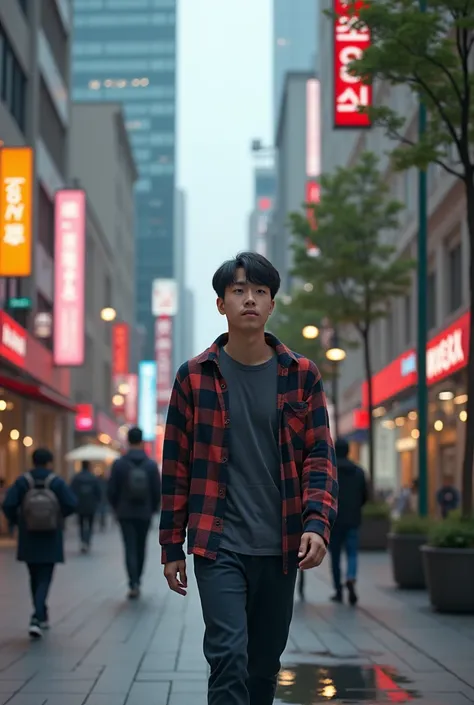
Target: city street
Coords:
[[103, 650]]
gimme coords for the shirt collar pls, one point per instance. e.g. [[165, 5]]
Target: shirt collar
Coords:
[[285, 356]]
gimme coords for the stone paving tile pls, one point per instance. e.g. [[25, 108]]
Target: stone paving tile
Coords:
[[105, 651]]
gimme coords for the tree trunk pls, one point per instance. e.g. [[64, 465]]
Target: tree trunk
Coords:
[[368, 377], [469, 439]]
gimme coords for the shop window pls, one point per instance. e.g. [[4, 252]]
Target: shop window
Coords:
[[455, 278], [431, 301]]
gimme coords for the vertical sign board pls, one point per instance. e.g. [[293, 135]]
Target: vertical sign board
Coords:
[[163, 353], [164, 297], [16, 211], [147, 399], [120, 350], [350, 92], [131, 399], [69, 273]]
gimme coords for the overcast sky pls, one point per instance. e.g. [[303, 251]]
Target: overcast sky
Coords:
[[224, 100]]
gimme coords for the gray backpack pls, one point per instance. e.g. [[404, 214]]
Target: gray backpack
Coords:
[[40, 508], [137, 484]]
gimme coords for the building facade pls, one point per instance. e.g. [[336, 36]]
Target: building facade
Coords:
[[127, 52], [263, 203], [36, 405], [295, 36], [394, 338], [110, 255]]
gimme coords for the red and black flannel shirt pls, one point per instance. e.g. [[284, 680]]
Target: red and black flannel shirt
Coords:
[[196, 451]]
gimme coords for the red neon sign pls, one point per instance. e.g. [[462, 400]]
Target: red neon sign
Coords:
[[350, 92]]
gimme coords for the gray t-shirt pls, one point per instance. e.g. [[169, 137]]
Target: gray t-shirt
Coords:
[[252, 522]]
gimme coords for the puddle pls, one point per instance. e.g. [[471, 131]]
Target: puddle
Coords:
[[307, 684]]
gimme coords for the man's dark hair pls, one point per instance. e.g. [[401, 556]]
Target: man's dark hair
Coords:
[[257, 268], [41, 457], [342, 448], [135, 436], [86, 465]]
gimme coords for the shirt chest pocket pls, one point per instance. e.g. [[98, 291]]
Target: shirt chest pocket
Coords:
[[295, 415]]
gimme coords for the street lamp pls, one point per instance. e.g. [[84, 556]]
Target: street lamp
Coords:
[[310, 332], [108, 314], [335, 354]]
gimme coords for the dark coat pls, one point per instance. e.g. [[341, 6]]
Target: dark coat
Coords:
[[352, 494], [38, 547], [117, 487], [85, 477]]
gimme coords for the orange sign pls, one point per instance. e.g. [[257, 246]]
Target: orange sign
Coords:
[[120, 352], [16, 207]]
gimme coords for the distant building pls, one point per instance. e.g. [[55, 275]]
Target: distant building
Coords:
[[264, 200], [125, 53]]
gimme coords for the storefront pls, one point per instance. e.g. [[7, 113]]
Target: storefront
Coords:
[[395, 415], [35, 403], [94, 427]]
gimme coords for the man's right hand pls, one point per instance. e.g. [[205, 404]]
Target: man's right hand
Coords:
[[175, 574]]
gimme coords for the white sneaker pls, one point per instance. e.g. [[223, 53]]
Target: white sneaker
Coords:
[[35, 630]]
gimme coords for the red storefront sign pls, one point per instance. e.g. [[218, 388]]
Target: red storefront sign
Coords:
[[13, 343], [120, 346], [446, 354], [84, 420], [164, 356], [349, 44]]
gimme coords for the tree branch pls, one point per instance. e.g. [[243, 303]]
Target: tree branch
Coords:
[[396, 136]]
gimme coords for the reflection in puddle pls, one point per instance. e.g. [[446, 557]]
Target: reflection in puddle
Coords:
[[307, 684]]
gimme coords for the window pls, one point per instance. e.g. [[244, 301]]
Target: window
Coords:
[[12, 82], [109, 19], [55, 34], [455, 278], [51, 129], [431, 301], [407, 318]]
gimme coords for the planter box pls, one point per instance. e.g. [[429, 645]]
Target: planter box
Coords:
[[373, 533], [449, 574], [407, 563]]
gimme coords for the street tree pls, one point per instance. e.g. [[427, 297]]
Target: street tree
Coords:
[[287, 323], [428, 47], [357, 273]]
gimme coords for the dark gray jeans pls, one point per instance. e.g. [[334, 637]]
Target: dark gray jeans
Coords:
[[247, 604], [134, 533]]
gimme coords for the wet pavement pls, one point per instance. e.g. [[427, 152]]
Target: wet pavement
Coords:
[[103, 650]]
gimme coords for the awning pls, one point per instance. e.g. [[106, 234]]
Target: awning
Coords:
[[37, 392]]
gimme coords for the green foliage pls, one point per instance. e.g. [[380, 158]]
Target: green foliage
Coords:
[[287, 323], [376, 510], [452, 533], [429, 52], [356, 274], [412, 525]]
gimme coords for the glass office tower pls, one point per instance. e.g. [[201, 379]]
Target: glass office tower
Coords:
[[125, 50]]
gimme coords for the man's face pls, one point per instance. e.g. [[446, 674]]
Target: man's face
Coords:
[[247, 306]]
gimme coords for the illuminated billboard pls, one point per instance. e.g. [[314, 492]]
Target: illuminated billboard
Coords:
[[16, 211]]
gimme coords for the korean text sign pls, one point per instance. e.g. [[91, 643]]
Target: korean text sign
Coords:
[[350, 92], [164, 357], [16, 206], [120, 349], [69, 266], [147, 415]]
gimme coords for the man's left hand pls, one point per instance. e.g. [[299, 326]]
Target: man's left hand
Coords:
[[312, 551]]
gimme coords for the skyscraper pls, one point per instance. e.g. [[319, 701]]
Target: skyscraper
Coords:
[[125, 50], [295, 32]]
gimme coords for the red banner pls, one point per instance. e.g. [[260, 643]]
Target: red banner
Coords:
[[84, 417], [164, 358], [120, 349], [350, 92]]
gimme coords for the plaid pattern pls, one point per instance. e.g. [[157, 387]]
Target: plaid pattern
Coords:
[[194, 477]]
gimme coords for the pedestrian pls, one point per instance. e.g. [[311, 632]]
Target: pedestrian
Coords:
[[86, 487], [353, 495], [249, 470], [448, 497], [38, 502], [134, 494]]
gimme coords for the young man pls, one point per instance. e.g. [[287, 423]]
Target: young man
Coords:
[[134, 494], [38, 502], [353, 495], [86, 487], [249, 470]]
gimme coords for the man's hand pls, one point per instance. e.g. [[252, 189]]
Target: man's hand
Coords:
[[312, 551], [175, 574]]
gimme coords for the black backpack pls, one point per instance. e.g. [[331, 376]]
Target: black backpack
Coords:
[[86, 497], [40, 508], [138, 487]]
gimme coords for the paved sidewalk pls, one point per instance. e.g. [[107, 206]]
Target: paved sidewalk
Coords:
[[103, 650]]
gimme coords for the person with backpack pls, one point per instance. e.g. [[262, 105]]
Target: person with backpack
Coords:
[[38, 502], [87, 489], [134, 494]]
